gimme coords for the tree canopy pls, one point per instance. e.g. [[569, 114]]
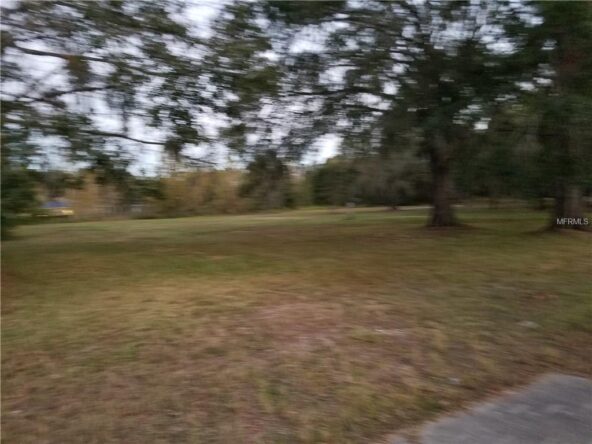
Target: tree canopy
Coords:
[[452, 83]]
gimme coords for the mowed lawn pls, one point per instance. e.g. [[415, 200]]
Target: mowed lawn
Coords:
[[304, 326]]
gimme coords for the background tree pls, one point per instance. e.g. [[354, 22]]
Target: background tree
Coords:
[[267, 182], [503, 160], [91, 78], [18, 196], [333, 183], [565, 130], [380, 73], [399, 178]]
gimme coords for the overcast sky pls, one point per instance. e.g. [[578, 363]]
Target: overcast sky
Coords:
[[198, 16]]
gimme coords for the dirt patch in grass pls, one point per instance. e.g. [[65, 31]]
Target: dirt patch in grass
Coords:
[[301, 326]]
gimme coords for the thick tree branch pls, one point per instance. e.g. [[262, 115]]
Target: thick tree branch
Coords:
[[54, 94], [60, 55], [120, 136], [145, 142], [67, 56], [364, 107], [344, 91]]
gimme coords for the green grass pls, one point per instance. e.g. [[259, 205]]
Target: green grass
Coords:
[[304, 326]]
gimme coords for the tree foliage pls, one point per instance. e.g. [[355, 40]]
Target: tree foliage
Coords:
[[489, 97]]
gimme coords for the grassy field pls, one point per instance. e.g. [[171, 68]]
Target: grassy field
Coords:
[[303, 326]]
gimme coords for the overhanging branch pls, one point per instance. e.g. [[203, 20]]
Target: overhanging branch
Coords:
[[54, 94], [145, 142], [120, 136]]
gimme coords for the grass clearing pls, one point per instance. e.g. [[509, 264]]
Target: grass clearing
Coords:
[[303, 326]]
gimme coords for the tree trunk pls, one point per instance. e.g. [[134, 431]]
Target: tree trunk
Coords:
[[568, 210], [442, 213]]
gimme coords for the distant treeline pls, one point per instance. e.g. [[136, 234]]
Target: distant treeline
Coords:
[[267, 183], [270, 183]]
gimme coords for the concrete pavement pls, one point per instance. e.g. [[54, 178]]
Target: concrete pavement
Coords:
[[556, 409]]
